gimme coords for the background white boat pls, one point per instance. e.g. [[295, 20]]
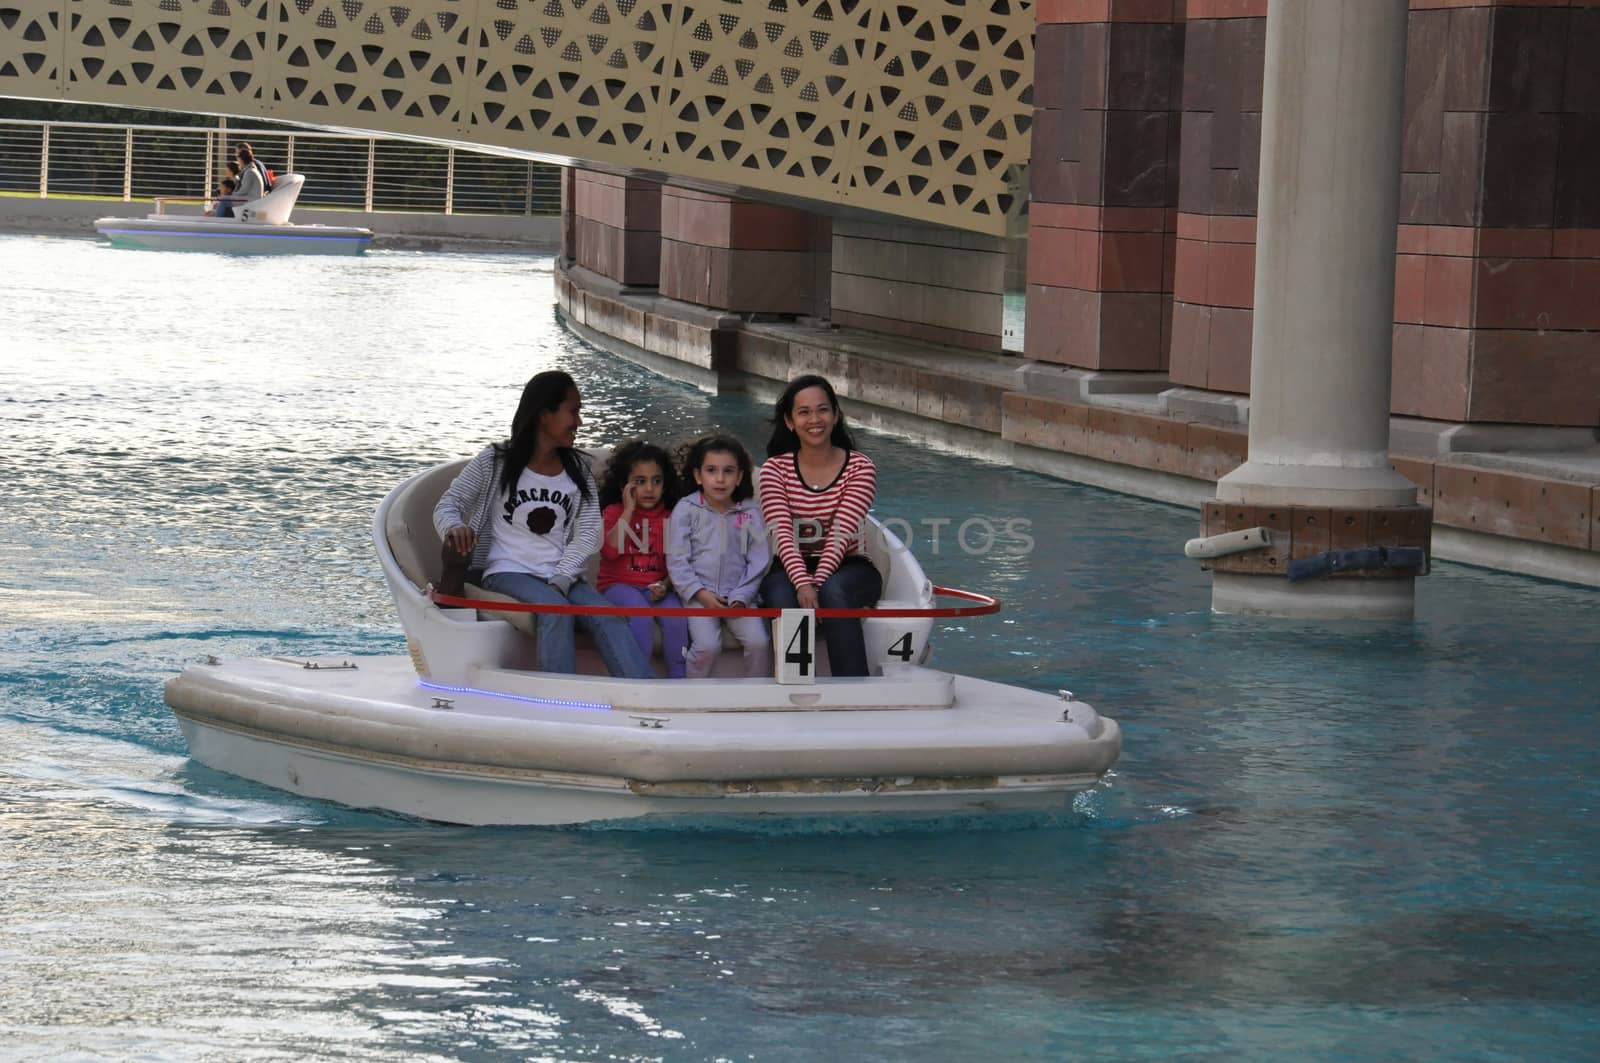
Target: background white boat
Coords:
[[259, 227], [463, 730]]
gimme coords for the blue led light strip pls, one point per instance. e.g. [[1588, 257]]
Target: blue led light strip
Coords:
[[559, 703]]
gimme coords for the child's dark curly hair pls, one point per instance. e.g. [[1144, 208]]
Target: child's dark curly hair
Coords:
[[628, 454], [692, 455]]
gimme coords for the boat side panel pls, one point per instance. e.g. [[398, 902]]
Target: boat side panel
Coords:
[[357, 712], [236, 243], [485, 800]]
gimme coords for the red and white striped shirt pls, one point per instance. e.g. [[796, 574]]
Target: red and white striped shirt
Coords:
[[822, 523]]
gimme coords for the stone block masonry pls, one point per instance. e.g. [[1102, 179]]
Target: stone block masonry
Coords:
[[986, 405]]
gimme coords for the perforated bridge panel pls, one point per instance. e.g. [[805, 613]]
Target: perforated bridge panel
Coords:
[[913, 109]]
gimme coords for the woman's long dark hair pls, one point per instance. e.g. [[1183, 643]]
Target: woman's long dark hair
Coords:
[[784, 440], [693, 455], [543, 394], [620, 467]]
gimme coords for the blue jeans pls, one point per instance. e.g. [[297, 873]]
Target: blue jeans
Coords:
[[856, 584], [557, 653], [674, 629]]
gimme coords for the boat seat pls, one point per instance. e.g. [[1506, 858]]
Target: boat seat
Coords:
[[275, 207], [409, 527]]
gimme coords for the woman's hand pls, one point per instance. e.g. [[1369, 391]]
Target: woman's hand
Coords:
[[806, 596], [461, 539]]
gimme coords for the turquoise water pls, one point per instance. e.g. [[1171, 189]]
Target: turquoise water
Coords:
[[1351, 841]]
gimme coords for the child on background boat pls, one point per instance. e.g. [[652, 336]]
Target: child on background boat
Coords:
[[717, 553], [638, 491]]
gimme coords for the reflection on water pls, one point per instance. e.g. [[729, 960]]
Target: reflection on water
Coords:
[[1364, 841]]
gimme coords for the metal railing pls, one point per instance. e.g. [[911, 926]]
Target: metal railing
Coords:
[[344, 170]]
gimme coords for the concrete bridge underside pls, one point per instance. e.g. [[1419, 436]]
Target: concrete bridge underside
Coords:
[[918, 111]]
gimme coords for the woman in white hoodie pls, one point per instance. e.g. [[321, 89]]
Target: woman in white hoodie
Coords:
[[523, 518]]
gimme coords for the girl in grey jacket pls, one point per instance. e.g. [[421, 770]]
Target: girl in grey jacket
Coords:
[[717, 552]]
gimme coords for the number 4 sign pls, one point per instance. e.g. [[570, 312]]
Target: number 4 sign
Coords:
[[796, 643]]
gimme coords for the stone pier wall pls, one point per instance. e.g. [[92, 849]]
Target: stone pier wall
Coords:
[[1035, 417], [1499, 241], [1213, 289], [919, 281], [1495, 303], [742, 257]]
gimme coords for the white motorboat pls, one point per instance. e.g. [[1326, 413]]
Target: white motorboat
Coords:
[[258, 227], [464, 731]]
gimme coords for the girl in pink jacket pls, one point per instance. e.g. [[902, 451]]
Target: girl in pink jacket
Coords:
[[638, 490]]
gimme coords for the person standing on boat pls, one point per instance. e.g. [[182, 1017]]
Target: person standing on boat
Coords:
[[527, 514], [816, 488]]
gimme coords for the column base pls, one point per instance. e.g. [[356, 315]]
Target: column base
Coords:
[[1259, 483], [1350, 599]]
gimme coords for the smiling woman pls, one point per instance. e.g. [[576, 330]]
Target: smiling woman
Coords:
[[816, 488]]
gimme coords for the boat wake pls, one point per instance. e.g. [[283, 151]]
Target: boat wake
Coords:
[[42, 765]]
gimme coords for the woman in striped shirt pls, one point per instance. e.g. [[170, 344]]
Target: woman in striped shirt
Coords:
[[816, 489]]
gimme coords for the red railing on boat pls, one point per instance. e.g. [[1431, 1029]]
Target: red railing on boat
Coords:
[[985, 605]]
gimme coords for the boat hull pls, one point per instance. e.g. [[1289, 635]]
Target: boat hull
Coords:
[[373, 737], [236, 238]]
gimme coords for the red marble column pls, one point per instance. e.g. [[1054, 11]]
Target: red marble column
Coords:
[[1105, 151], [617, 227], [1496, 314], [1499, 243], [569, 213], [1214, 278], [742, 257]]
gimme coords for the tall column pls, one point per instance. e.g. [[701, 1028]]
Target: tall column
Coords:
[[1495, 316], [1213, 289], [1101, 240], [1324, 301]]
